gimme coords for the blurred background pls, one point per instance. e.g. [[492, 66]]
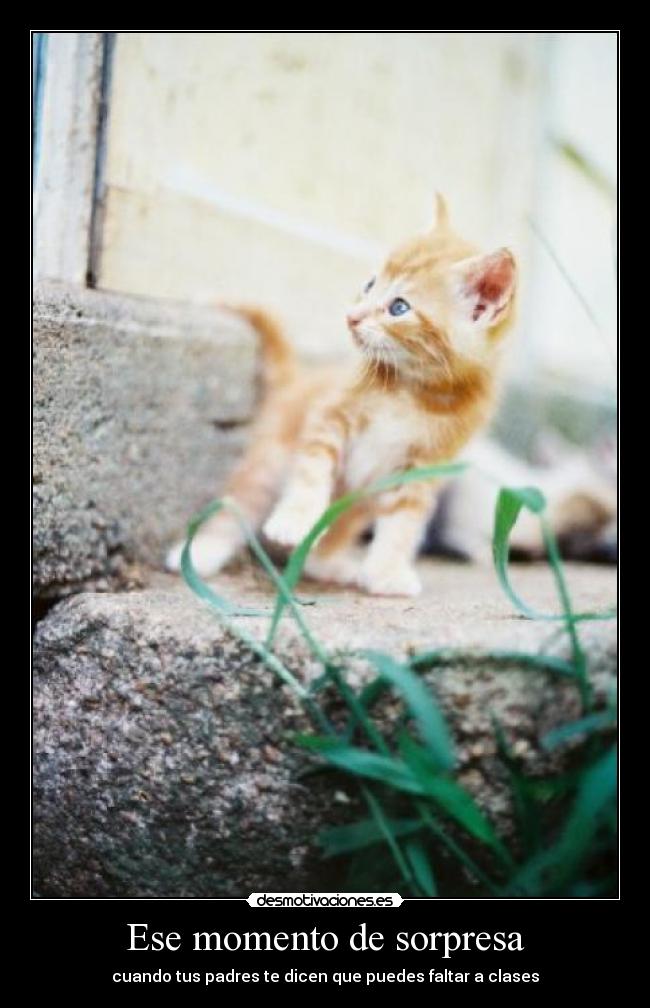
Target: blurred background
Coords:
[[278, 167], [172, 170]]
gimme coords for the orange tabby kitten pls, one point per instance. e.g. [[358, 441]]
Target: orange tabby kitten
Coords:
[[429, 328]]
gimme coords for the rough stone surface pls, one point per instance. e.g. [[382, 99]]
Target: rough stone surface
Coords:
[[162, 763], [139, 409]]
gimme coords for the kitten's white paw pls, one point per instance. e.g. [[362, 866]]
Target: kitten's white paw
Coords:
[[341, 569], [173, 558], [209, 555], [288, 525], [401, 581]]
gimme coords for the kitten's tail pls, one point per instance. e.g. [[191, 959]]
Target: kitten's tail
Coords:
[[279, 359]]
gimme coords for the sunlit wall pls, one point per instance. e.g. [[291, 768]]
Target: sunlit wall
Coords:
[[277, 167]]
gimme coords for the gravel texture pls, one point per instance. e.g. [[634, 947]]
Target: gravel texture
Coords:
[[163, 760]]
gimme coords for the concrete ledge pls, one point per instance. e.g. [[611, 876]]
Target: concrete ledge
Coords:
[[139, 409], [161, 761]]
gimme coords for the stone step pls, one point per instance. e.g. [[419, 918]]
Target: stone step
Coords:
[[140, 407], [162, 759]]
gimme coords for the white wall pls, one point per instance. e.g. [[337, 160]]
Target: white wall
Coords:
[[278, 166], [576, 215]]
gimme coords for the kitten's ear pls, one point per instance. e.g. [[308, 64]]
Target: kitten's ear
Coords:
[[440, 214], [484, 286]]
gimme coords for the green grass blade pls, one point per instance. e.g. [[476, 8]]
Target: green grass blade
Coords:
[[454, 848], [417, 858], [508, 508], [412, 779], [296, 561], [526, 808], [358, 714], [585, 165], [509, 504], [422, 705], [449, 795], [361, 762], [583, 726], [192, 579], [554, 869], [205, 592], [596, 793], [427, 660], [383, 824], [459, 805], [356, 836], [225, 611]]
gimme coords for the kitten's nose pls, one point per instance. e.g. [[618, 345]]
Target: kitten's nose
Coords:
[[353, 318]]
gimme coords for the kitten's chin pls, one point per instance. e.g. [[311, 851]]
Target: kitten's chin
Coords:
[[372, 348], [358, 339], [378, 355]]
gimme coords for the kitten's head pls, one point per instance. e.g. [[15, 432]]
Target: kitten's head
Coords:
[[436, 307]]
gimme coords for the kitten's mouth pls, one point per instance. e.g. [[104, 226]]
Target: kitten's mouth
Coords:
[[372, 345], [376, 350], [363, 340]]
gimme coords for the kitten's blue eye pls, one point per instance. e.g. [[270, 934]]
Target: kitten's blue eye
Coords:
[[399, 307], [371, 283]]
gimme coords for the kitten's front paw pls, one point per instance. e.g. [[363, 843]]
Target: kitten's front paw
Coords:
[[337, 569], [209, 555], [287, 525], [400, 581]]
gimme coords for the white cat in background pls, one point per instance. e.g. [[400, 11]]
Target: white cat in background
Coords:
[[580, 489]]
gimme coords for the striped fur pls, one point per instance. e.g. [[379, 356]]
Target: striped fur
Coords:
[[424, 383]]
